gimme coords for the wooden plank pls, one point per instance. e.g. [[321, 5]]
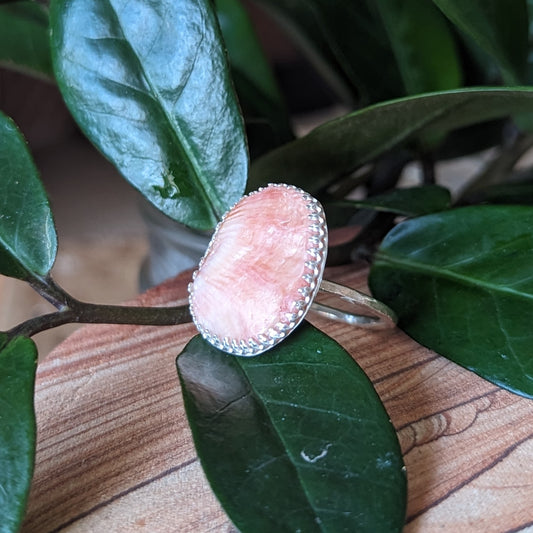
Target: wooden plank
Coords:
[[115, 452]]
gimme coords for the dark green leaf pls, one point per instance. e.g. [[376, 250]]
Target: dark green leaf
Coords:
[[24, 39], [340, 146], [518, 193], [28, 241], [18, 361], [472, 139], [335, 34], [300, 22], [295, 439], [499, 28], [461, 284], [411, 202], [423, 45], [243, 46], [256, 86], [498, 170], [148, 83]]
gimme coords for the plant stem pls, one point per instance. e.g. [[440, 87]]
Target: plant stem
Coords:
[[428, 169], [77, 312], [72, 311], [121, 314], [50, 291], [40, 323]]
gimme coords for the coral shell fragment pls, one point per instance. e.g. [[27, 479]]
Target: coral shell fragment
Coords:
[[261, 271]]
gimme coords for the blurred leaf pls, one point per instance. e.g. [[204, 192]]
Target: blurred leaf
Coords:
[[499, 28], [256, 86], [24, 39], [461, 284], [295, 439], [529, 76], [517, 193], [334, 36], [148, 84], [472, 139], [18, 361], [341, 145], [423, 45], [244, 49], [499, 168], [409, 202], [300, 22], [28, 241]]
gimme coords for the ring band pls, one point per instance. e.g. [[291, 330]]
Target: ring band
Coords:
[[380, 315]]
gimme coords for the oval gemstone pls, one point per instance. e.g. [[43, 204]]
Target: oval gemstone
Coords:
[[261, 270]]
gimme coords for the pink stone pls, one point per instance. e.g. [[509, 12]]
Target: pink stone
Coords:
[[261, 271]]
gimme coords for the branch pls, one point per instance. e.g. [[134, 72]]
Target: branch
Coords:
[[428, 169], [50, 291], [76, 312]]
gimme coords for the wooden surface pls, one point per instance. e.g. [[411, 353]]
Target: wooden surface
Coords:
[[115, 453]]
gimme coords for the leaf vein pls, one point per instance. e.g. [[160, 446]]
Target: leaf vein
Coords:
[[433, 271], [175, 127]]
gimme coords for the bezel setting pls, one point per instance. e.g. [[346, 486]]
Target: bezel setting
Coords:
[[313, 269]]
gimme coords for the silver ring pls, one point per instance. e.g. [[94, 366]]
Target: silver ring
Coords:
[[376, 314], [262, 271]]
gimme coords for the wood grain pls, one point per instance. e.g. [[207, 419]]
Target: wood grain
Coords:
[[115, 452]]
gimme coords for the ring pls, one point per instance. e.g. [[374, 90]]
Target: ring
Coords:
[[262, 271], [381, 316]]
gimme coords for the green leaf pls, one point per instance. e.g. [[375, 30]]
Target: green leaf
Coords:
[[423, 45], [410, 202], [341, 145], [499, 28], [244, 49], [18, 361], [256, 86], [243, 46], [24, 39], [148, 83], [460, 282], [334, 34], [28, 241], [295, 439], [518, 193]]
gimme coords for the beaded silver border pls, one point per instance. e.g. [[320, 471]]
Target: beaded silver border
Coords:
[[314, 269]]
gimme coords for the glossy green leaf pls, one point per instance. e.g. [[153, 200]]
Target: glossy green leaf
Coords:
[[295, 439], [499, 28], [259, 95], [28, 241], [24, 39], [409, 202], [461, 284], [148, 83], [18, 361], [423, 45], [341, 145]]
